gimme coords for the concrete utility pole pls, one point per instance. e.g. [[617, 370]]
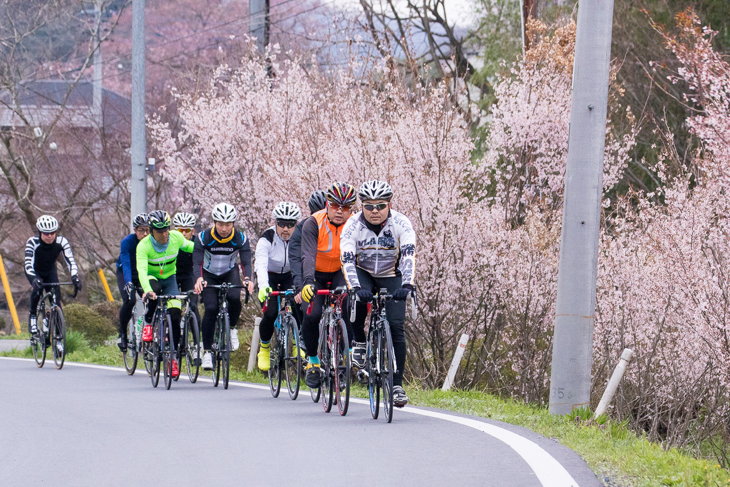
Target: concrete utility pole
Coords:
[[138, 182], [97, 81], [259, 22], [570, 381], [98, 67]]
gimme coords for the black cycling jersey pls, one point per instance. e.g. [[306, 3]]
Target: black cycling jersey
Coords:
[[40, 257], [217, 255]]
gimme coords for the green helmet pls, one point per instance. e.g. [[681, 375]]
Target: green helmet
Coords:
[[159, 219]]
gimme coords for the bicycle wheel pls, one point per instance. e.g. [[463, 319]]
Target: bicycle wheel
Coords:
[[342, 377], [292, 356], [386, 357], [58, 336], [217, 344], [191, 350], [371, 359], [168, 350], [155, 361], [226, 350], [131, 355], [326, 359], [38, 346], [276, 353]]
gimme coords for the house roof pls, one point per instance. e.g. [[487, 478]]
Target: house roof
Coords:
[[45, 97]]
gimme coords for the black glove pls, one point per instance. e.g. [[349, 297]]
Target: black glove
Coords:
[[37, 284], [403, 293], [129, 289], [77, 283], [363, 295]]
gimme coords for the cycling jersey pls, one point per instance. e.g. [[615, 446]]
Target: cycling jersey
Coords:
[[272, 255], [127, 261], [385, 250], [159, 264], [217, 255], [320, 246], [295, 255], [40, 257]]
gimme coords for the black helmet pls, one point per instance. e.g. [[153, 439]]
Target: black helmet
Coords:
[[141, 220], [317, 201]]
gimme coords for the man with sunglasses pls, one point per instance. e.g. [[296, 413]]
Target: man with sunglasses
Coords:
[[157, 256], [127, 277], [378, 250], [185, 223], [214, 262], [41, 253], [273, 271], [321, 267]]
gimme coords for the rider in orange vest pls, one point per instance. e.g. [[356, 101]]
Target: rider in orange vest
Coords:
[[321, 266]]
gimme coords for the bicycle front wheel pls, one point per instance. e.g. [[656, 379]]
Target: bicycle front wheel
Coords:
[[131, 355], [38, 346], [276, 353], [226, 350], [168, 350], [326, 359], [386, 365], [292, 356], [153, 348], [58, 337], [372, 370], [191, 349], [341, 362]]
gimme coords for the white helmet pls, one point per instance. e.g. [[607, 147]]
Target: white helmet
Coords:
[[375, 190], [183, 219], [223, 212], [46, 224], [286, 210]]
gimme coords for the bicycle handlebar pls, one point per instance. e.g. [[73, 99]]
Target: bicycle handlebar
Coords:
[[227, 286], [287, 292]]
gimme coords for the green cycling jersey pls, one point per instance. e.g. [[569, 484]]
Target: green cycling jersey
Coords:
[[152, 263]]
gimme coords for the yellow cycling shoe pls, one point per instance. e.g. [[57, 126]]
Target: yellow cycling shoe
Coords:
[[264, 358]]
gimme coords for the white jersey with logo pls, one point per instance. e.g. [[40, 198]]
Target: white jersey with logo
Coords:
[[387, 252]]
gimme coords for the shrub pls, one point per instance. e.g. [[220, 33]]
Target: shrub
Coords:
[[95, 327], [108, 310]]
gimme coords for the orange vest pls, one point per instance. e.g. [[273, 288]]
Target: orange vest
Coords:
[[328, 244]]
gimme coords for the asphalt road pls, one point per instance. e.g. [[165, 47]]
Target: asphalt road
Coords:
[[96, 426]]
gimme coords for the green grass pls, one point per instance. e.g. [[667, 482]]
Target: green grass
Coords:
[[611, 450]]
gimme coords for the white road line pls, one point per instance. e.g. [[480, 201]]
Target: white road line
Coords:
[[547, 469]]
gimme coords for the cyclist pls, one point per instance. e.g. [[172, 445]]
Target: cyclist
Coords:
[[41, 252], [185, 224], [272, 269], [127, 278], [214, 262], [316, 202], [321, 267], [378, 248], [156, 266]]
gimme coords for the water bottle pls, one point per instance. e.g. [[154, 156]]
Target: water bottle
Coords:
[[138, 328]]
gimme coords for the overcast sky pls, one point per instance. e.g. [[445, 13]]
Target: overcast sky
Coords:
[[457, 11]]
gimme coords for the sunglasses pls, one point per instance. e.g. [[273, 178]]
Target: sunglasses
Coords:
[[337, 207], [48, 233], [379, 206], [285, 223], [185, 230]]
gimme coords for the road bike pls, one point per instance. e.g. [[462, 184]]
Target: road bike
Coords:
[[285, 351], [189, 346], [221, 348], [380, 358], [161, 350], [134, 333], [51, 327], [333, 350]]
